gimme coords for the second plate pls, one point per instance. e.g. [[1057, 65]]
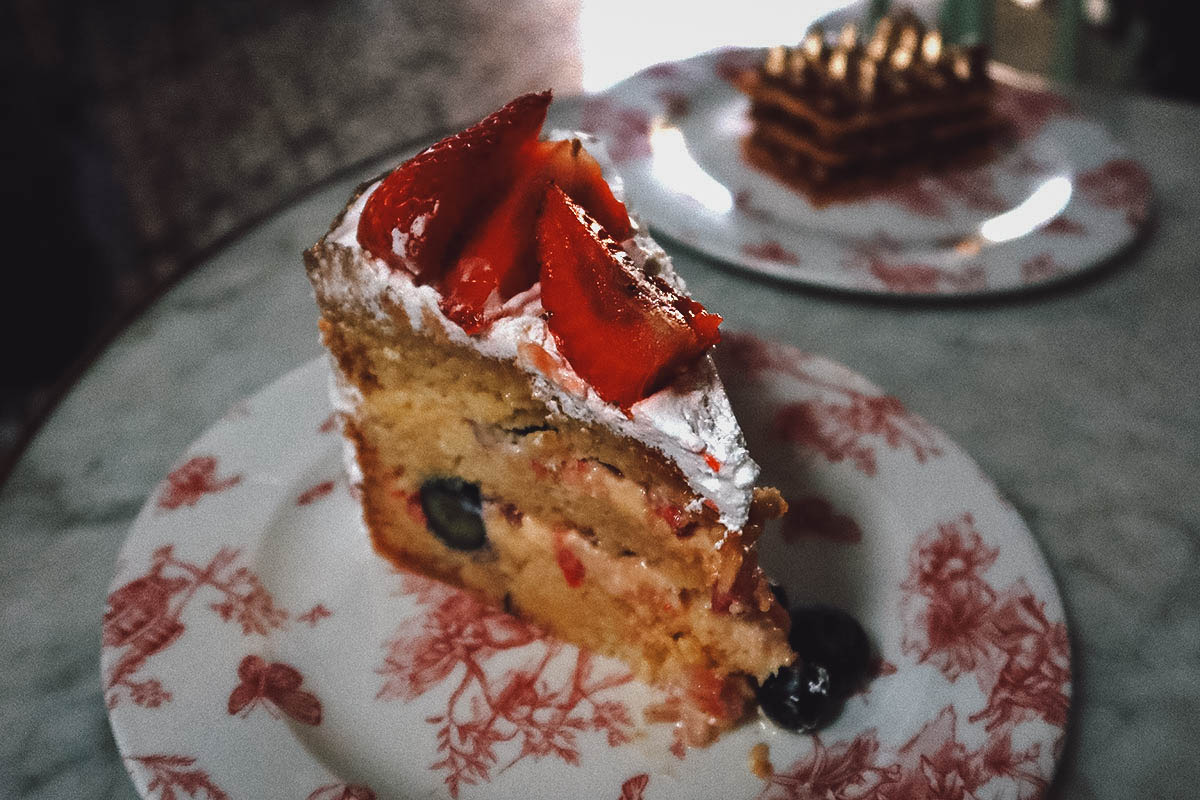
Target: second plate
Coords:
[[1061, 198]]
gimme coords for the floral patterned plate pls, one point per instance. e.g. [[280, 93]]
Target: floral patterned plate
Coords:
[[255, 647], [1062, 197]]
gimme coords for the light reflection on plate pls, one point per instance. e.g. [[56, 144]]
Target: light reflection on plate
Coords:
[[673, 165], [1044, 204]]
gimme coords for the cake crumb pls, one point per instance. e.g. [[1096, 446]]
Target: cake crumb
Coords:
[[759, 761]]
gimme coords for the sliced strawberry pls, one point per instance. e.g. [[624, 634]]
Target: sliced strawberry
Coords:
[[624, 332], [579, 175], [500, 261], [412, 217]]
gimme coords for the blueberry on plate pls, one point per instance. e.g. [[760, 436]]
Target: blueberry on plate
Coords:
[[832, 638], [799, 697], [453, 512]]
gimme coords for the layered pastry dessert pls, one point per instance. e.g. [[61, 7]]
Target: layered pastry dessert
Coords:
[[837, 119], [534, 417]]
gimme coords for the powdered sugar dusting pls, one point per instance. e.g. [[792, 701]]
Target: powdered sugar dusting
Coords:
[[690, 421], [399, 243], [345, 399], [416, 230]]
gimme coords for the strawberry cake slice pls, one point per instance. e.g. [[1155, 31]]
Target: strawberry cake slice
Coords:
[[533, 414]]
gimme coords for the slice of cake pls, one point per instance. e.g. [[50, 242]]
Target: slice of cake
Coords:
[[842, 119], [526, 387]]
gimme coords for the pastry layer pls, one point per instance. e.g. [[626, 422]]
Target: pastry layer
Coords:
[[824, 182], [588, 533], [843, 125]]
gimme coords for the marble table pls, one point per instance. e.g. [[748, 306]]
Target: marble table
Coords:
[[1080, 402]]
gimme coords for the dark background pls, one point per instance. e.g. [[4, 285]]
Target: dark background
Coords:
[[139, 135]]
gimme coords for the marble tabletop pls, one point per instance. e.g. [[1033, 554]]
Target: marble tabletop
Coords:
[[1080, 402]]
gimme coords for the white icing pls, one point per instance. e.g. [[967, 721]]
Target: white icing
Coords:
[[690, 421], [345, 399], [417, 228]]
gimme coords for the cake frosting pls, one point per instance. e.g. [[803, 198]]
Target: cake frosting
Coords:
[[689, 421]]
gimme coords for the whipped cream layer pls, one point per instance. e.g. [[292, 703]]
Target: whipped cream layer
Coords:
[[690, 421]]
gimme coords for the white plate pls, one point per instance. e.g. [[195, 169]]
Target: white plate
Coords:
[[1063, 197], [255, 646]]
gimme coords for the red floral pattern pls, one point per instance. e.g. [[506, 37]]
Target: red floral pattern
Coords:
[[144, 616], [936, 195], [837, 429], [1121, 184], [958, 622], [314, 615], [275, 687], [842, 428], [880, 258], [1064, 226], [635, 787], [917, 197], [624, 131], [1028, 110], [932, 765], [975, 188], [663, 71], [677, 104], [188, 483], [743, 201], [315, 493], [953, 619], [528, 712], [843, 771], [917, 278], [1041, 267], [733, 63], [168, 774], [770, 250], [342, 791]]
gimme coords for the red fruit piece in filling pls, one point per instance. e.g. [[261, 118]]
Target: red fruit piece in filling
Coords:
[[499, 260], [625, 332], [572, 568], [412, 217]]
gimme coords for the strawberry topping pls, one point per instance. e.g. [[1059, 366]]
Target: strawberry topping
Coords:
[[579, 175], [625, 332], [499, 260], [487, 213], [412, 217]]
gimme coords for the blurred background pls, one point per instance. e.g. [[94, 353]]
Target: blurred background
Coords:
[[142, 135]]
